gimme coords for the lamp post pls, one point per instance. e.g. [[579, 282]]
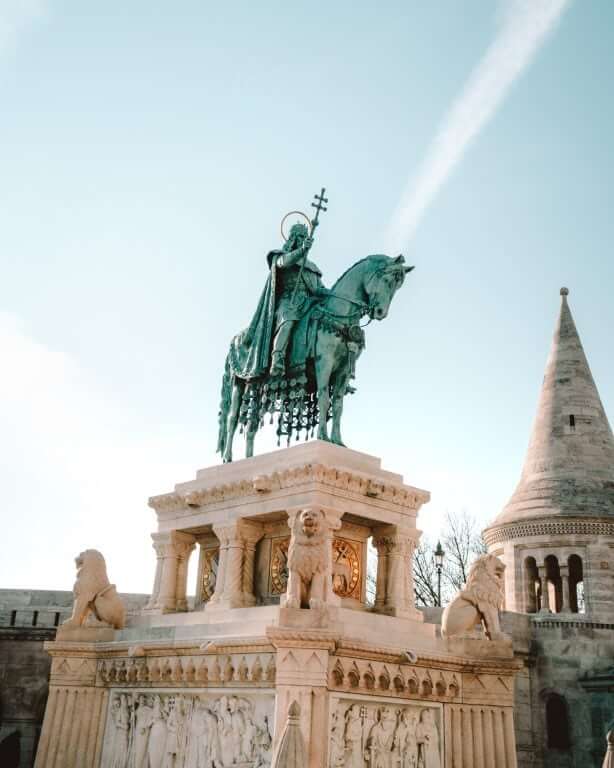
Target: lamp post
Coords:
[[439, 555]]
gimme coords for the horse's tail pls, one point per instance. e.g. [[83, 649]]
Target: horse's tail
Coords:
[[224, 406]]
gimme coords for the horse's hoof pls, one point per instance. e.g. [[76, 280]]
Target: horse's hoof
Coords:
[[339, 442]]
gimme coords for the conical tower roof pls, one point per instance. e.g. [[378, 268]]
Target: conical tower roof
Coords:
[[569, 466]]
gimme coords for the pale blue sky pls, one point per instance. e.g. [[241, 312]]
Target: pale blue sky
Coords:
[[147, 153]]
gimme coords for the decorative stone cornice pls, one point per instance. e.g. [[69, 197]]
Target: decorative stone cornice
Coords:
[[552, 621], [352, 482], [548, 527]]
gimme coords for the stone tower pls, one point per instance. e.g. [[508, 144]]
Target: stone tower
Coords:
[[556, 533]]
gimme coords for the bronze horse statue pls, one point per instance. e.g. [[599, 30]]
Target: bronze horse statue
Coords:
[[326, 345]]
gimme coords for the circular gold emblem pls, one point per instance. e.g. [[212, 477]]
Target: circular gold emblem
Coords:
[[279, 566], [346, 569]]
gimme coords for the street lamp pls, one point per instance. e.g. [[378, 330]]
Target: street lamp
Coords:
[[439, 555]]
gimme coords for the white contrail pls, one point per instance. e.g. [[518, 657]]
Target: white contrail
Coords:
[[524, 27]]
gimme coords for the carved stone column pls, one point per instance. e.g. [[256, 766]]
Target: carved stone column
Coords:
[[155, 592], [565, 604], [252, 536], [234, 587], [395, 587], [172, 549], [382, 570], [184, 550], [545, 601]]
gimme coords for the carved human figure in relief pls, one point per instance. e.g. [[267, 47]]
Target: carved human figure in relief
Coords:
[[353, 738], [143, 720], [381, 739], [172, 736], [120, 713], [479, 602], [405, 745], [94, 594], [157, 738], [308, 561], [337, 743], [427, 737]]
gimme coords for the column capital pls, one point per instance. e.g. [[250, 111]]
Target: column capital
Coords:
[[394, 539], [173, 543], [238, 532]]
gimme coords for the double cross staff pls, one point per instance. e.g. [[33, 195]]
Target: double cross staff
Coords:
[[318, 205]]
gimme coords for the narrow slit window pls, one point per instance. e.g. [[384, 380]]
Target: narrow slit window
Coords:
[[13, 618], [35, 618], [56, 621], [572, 421]]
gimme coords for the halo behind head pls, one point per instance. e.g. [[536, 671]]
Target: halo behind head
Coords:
[[306, 224]]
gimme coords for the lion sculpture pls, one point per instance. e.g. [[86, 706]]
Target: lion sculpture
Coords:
[[308, 561], [94, 594], [479, 602]]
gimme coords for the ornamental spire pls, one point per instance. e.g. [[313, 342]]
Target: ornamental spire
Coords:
[[569, 466]]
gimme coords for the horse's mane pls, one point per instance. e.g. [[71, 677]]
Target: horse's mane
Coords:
[[379, 256]]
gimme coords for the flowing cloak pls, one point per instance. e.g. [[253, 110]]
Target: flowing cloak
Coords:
[[250, 350]]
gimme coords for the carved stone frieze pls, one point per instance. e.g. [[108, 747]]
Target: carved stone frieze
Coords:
[[156, 729], [361, 485], [256, 669], [547, 528], [365, 734], [381, 678]]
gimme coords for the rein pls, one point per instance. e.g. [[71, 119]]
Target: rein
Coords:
[[363, 309]]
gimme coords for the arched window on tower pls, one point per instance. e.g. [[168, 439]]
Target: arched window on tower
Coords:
[[576, 584], [557, 722], [554, 584], [531, 580]]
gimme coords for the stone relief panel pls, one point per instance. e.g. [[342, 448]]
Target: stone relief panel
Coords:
[[346, 567], [162, 729], [367, 734]]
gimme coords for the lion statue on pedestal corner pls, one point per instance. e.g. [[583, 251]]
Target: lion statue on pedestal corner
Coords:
[[308, 561], [479, 602], [94, 594]]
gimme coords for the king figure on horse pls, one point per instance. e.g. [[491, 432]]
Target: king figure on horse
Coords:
[[297, 357]]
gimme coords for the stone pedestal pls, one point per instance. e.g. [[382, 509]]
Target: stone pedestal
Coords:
[[375, 685]]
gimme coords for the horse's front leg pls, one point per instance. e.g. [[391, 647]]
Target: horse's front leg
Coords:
[[249, 443], [325, 361], [339, 389], [233, 418]]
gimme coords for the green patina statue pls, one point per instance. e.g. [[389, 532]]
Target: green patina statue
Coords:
[[297, 357]]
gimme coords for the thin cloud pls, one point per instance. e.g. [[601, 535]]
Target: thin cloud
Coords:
[[524, 27], [75, 470]]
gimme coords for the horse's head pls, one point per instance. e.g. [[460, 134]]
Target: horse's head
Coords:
[[382, 283]]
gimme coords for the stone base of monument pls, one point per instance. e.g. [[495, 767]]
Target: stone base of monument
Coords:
[[375, 685]]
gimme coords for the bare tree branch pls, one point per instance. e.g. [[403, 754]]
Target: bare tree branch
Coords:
[[462, 542]]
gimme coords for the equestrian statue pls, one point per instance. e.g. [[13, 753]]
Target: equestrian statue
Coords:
[[297, 357]]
